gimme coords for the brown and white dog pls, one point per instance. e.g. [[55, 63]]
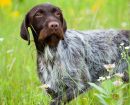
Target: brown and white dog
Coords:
[[67, 59]]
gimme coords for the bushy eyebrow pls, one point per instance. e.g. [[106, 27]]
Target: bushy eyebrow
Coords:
[[39, 10], [56, 9], [34, 11]]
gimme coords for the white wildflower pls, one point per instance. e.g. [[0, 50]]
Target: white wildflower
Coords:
[[101, 79], [109, 67], [108, 77], [98, 79], [122, 44], [119, 75], [117, 83], [127, 47]]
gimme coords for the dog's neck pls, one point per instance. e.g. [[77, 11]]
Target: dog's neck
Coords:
[[49, 53]]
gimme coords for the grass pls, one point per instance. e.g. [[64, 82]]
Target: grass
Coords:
[[19, 83]]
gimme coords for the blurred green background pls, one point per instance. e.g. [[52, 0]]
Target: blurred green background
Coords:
[[19, 83]]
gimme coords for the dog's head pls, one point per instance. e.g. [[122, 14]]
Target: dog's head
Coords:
[[47, 25]]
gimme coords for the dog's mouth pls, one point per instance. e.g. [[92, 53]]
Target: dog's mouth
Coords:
[[51, 39]]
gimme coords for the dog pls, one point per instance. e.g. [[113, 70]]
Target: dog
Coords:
[[67, 60]]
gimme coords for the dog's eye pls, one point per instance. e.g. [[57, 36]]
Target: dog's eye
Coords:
[[39, 14], [57, 13]]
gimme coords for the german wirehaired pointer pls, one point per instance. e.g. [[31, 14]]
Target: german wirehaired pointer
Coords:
[[67, 59]]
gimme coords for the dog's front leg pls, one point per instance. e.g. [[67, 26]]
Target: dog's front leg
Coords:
[[67, 96]]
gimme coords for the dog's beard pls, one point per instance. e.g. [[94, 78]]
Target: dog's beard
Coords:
[[50, 37], [49, 53]]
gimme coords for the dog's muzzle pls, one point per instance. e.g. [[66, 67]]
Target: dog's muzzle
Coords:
[[52, 34]]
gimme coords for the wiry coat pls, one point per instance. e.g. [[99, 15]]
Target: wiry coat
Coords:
[[80, 58]]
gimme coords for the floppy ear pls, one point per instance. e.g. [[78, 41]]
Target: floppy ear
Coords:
[[24, 33], [64, 25]]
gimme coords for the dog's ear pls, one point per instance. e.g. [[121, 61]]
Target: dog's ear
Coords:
[[64, 25], [24, 33]]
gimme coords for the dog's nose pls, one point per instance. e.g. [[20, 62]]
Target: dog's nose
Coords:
[[53, 25]]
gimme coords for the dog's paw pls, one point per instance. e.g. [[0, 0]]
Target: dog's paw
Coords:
[[55, 102]]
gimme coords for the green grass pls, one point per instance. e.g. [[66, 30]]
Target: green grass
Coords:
[[19, 83]]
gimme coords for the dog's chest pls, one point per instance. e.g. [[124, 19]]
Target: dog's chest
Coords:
[[61, 69], [51, 70]]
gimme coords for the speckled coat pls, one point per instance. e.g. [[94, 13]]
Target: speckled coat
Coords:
[[80, 58]]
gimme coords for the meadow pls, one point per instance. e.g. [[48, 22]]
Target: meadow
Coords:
[[19, 83]]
